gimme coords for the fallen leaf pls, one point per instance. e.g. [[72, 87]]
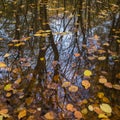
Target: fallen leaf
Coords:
[[90, 107], [29, 100], [86, 84], [70, 107], [6, 55], [101, 58], [84, 111], [66, 84], [106, 108], [76, 54], [1, 117], [8, 87], [50, 115], [102, 79], [102, 116], [116, 86], [108, 84], [73, 88], [100, 94], [87, 73], [2, 65], [78, 114], [3, 111], [22, 114]]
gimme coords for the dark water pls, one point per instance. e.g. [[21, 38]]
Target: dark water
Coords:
[[49, 47]]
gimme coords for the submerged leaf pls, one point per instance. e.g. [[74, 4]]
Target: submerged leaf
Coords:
[[8, 87]]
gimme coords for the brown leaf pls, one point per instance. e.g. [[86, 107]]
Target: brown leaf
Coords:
[[22, 114]]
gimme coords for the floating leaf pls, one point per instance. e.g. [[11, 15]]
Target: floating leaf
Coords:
[[90, 107], [73, 88], [106, 108], [101, 58], [3, 111], [8, 87], [2, 65], [66, 84], [100, 94], [70, 107], [116, 86], [84, 111], [6, 55], [50, 115], [87, 73], [86, 84], [102, 79], [108, 84], [78, 114], [76, 54], [1, 117], [22, 114], [102, 116]]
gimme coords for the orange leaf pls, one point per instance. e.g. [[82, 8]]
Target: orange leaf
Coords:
[[22, 114]]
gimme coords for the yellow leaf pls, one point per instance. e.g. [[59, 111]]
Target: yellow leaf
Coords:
[[50, 115], [2, 65], [22, 114], [73, 88], [8, 87], [102, 116], [29, 100], [100, 94], [87, 73], [106, 108], [42, 59], [6, 55], [1, 117], [90, 107]]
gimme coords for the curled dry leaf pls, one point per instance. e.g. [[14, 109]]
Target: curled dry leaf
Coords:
[[86, 84], [87, 73], [78, 114], [73, 88], [106, 108], [70, 107], [50, 115], [66, 84]]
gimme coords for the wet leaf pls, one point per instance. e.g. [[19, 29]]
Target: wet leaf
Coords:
[[73, 88], [1, 117], [2, 65], [90, 107], [31, 117], [101, 58], [106, 108], [102, 116], [22, 114], [29, 100], [8, 87], [98, 110], [6, 55], [42, 59], [18, 81], [84, 111], [102, 79], [105, 99], [8, 94], [70, 107], [87, 73], [78, 114], [86, 84], [100, 94], [108, 84], [50, 115], [76, 54], [116, 86], [66, 84], [3, 111]]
